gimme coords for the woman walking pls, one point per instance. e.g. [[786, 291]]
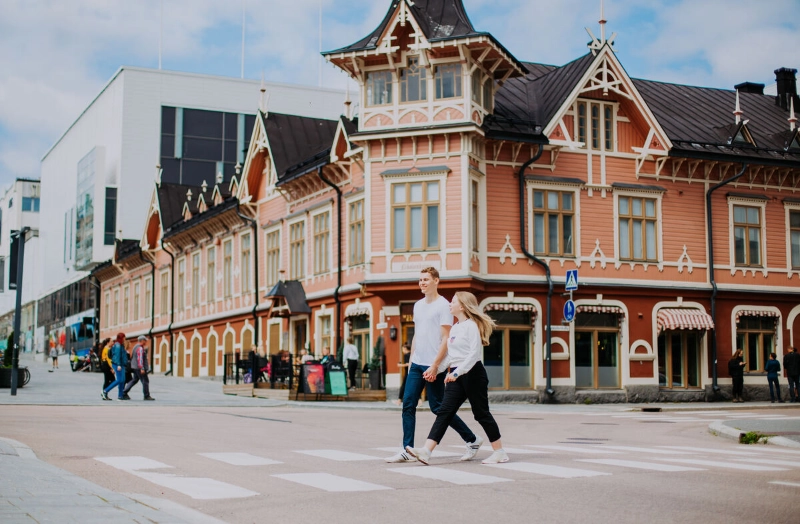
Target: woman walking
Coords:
[[736, 371], [467, 379]]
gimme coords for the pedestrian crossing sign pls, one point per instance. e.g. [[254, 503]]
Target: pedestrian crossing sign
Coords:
[[572, 280]]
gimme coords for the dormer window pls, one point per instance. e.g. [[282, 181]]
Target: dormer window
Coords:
[[594, 122], [379, 88], [448, 81], [413, 82], [742, 135]]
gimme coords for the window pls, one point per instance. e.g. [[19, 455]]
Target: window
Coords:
[[357, 233], [379, 88], [196, 280], [110, 229], [487, 94], [413, 82], [30, 204], [106, 314], [508, 357], [747, 235], [553, 223], [598, 132], [755, 336], [148, 296], [136, 291], [246, 262], [474, 216], [297, 250], [164, 293], [322, 239], [227, 269], [679, 359], [181, 287], [211, 275], [116, 307], [273, 257], [637, 229], [325, 332], [476, 86], [126, 304], [794, 237], [448, 81], [415, 216]]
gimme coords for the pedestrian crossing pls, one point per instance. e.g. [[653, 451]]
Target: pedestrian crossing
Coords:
[[362, 470], [686, 416]]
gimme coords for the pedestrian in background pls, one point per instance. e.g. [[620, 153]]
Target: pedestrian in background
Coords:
[[139, 369], [105, 363], [736, 371], [54, 356], [772, 368], [351, 357], [791, 365], [119, 362], [403, 365]]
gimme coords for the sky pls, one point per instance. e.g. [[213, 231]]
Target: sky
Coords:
[[56, 55]]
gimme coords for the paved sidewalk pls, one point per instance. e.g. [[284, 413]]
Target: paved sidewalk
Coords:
[[32, 491], [785, 432]]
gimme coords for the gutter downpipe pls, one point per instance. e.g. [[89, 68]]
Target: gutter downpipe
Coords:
[[709, 224], [336, 297], [548, 389], [152, 302], [171, 303], [254, 225]]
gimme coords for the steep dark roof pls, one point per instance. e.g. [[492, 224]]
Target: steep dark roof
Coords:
[[199, 218], [298, 143], [699, 122], [292, 291], [125, 248], [171, 198], [553, 88]]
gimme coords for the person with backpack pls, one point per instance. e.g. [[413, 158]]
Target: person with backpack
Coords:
[[139, 369], [119, 362]]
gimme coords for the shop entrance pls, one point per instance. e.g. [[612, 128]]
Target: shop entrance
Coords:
[[507, 358], [597, 350]]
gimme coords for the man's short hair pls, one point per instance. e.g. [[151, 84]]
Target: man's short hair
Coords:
[[432, 271], [142, 338]]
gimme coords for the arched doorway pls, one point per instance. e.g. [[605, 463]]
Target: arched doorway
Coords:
[[179, 356], [212, 355], [195, 357], [163, 358]]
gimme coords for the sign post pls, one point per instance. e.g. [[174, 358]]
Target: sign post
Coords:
[[571, 285]]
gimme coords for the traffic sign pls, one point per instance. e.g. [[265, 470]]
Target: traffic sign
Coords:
[[569, 311], [572, 280]]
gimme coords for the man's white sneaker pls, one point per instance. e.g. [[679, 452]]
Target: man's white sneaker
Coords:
[[497, 457], [472, 449], [401, 457], [421, 454]]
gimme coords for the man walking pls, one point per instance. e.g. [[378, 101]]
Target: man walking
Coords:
[[139, 368], [791, 364], [119, 361], [432, 323]]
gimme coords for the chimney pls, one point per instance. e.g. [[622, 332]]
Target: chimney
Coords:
[[750, 87], [787, 87]]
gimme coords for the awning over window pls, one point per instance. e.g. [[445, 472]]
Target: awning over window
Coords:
[[356, 310], [511, 307], [755, 313], [614, 310], [675, 319]]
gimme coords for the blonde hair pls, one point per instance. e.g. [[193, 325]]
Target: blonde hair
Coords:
[[473, 312]]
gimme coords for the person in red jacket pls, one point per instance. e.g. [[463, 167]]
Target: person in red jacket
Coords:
[[140, 368]]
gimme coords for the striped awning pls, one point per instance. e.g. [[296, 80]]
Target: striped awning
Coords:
[[589, 308], [510, 307], [356, 310], [755, 313], [675, 319]]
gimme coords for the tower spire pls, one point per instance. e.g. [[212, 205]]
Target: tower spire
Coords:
[[602, 23], [792, 117], [738, 112]]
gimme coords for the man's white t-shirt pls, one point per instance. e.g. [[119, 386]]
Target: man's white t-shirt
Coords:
[[428, 321]]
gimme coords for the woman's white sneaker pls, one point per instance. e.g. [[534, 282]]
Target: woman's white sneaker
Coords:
[[472, 449], [421, 454], [499, 456], [401, 457]]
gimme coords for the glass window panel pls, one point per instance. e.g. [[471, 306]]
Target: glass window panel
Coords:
[[769, 347], [753, 346], [662, 360], [752, 215], [416, 228], [552, 233], [677, 360], [552, 200], [692, 360], [651, 240], [519, 373], [584, 358], [624, 204], [433, 226], [538, 233], [538, 199], [509, 318], [493, 360], [739, 214], [738, 245], [638, 252], [201, 123], [399, 193], [416, 192], [433, 191], [568, 250], [566, 201], [399, 229], [608, 371], [794, 219], [795, 248], [624, 240], [755, 242], [637, 207], [650, 208]]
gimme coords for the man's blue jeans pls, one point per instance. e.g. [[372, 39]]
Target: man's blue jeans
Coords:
[[414, 384], [119, 382]]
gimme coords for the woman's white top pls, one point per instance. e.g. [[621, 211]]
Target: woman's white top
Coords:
[[350, 352], [464, 347]]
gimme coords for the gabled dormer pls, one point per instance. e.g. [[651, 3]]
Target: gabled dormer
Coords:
[[424, 65]]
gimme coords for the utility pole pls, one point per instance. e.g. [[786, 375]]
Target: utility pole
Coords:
[[18, 311]]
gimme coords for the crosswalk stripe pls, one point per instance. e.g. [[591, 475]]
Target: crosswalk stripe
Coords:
[[331, 483], [335, 454], [132, 463], [240, 459], [639, 465], [785, 483], [462, 478], [728, 465], [723, 451], [515, 451], [771, 449], [548, 470], [437, 453], [589, 450], [652, 451], [772, 462]]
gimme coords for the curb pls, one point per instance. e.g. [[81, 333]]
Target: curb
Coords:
[[23, 450], [720, 429]]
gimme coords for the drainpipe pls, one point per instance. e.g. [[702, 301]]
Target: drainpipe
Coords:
[[336, 297], [549, 388], [152, 301], [171, 303], [709, 225], [254, 225]]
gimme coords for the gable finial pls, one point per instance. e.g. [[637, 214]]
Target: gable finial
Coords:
[[602, 23], [738, 112], [159, 172], [219, 177], [204, 186], [263, 101], [189, 195], [596, 44], [792, 118]]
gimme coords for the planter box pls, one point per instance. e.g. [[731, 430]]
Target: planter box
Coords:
[[5, 377]]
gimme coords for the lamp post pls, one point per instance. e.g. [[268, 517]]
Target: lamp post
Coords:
[[18, 312]]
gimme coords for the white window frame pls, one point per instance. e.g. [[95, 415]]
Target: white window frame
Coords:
[[654, 194], [181, 285], [735, 200], [227, 270], [587, 145], [789, 208], [328, 248], [245, 271], [137, 291], [406, 178], [566, 187], [349, 203], [148, 290], [304, 261], [273, 230]]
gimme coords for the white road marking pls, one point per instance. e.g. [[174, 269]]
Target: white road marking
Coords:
[[728, 465], [723, 451], [771, 462], [335, 454], [514, 451], [589, 450], [772, 449], [652, 451], [240, 459], [639, 465], [462, 478], [784, 483], [551, 471], [132, 463], [332, 483], [437, 453]]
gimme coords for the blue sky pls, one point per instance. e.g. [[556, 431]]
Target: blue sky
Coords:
[[57, 55]]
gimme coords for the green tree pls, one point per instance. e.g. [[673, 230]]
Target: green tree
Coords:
[[9, 352]]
